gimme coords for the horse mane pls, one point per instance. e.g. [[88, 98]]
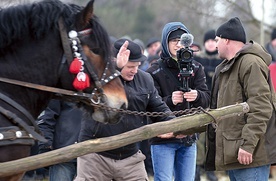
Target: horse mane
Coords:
[[37, 19]]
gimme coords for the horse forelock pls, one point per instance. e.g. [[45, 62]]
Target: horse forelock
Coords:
[[33, 20]]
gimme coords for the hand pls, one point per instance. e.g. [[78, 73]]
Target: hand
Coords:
[[244, 157], [191, 95], [180, 136], [123, 55], [167, 135], [177, 97]]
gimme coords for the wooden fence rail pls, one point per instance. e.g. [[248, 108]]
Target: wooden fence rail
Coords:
[[185, 124]]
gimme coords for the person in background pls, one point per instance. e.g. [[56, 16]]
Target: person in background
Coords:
[[140, 43], [271, 48], [153, 59], [152, 49], [242, 145], [196, 48], [209, 59], [175, 157], [127, 162], [271, 45], [152, 46], [60, 125]]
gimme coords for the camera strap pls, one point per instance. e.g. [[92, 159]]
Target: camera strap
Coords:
[[172, 77]]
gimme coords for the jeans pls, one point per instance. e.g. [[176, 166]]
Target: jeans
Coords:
[[253, 174], [63, 171], [174, 160]]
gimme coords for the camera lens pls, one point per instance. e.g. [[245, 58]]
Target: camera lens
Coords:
[[186, 55]]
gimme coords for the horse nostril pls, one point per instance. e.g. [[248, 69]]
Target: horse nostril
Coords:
[[123, 106]]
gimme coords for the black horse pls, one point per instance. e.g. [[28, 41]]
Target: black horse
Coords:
[[39, 60]]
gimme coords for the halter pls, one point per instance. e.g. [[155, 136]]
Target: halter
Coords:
[[97, 95]]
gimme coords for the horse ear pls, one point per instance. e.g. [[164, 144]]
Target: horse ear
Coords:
[[85, 15]]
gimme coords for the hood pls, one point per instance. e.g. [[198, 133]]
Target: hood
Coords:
[[257, 50], [168, 28]]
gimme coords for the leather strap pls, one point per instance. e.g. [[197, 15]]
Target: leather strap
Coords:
[[79, 95], [65, 41], [18, 121]]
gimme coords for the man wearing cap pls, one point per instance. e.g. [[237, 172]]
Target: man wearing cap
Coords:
[[127, 162], [242, 145], [175, 157]]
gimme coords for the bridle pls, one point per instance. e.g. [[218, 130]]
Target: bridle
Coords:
[[95, 98]]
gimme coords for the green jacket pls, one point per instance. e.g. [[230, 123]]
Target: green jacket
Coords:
[[245, 78]]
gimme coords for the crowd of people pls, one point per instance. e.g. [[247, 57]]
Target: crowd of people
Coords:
[[227, 69]]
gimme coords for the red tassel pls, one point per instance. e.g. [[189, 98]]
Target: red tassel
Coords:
[[75, 66], [81, 81]]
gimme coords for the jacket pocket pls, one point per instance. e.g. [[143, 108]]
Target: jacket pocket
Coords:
[[231, 145]]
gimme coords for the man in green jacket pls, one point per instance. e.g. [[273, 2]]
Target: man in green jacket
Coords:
[[242, 145]]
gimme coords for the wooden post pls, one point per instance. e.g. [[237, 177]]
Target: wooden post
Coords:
[[102, 144]]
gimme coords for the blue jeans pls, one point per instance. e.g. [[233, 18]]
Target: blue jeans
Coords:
[[255, 174], [63, 171], [173, 160]]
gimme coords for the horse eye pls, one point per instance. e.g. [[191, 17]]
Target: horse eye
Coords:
[[96, 50]]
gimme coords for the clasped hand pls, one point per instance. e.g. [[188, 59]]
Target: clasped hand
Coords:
[[179, 96], [171, 135]]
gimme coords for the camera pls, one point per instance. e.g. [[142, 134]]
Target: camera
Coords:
[[184, 60]]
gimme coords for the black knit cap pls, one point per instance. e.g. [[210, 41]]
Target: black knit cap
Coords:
[[135, 50], [211, 34], [176, 34], [232, 30], [273, 34]]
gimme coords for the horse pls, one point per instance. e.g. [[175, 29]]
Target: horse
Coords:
[[50, 49]]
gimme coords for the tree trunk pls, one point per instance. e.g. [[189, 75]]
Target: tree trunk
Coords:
[[179, 124]]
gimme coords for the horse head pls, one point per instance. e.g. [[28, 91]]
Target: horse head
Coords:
[[93, 55], [31, 51]]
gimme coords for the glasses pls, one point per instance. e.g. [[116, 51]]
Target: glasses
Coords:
[[175, 41]]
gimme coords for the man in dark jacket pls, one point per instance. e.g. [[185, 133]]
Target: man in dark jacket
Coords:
[[127, 162], [60, 124], [176, 155], [242, 145]]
